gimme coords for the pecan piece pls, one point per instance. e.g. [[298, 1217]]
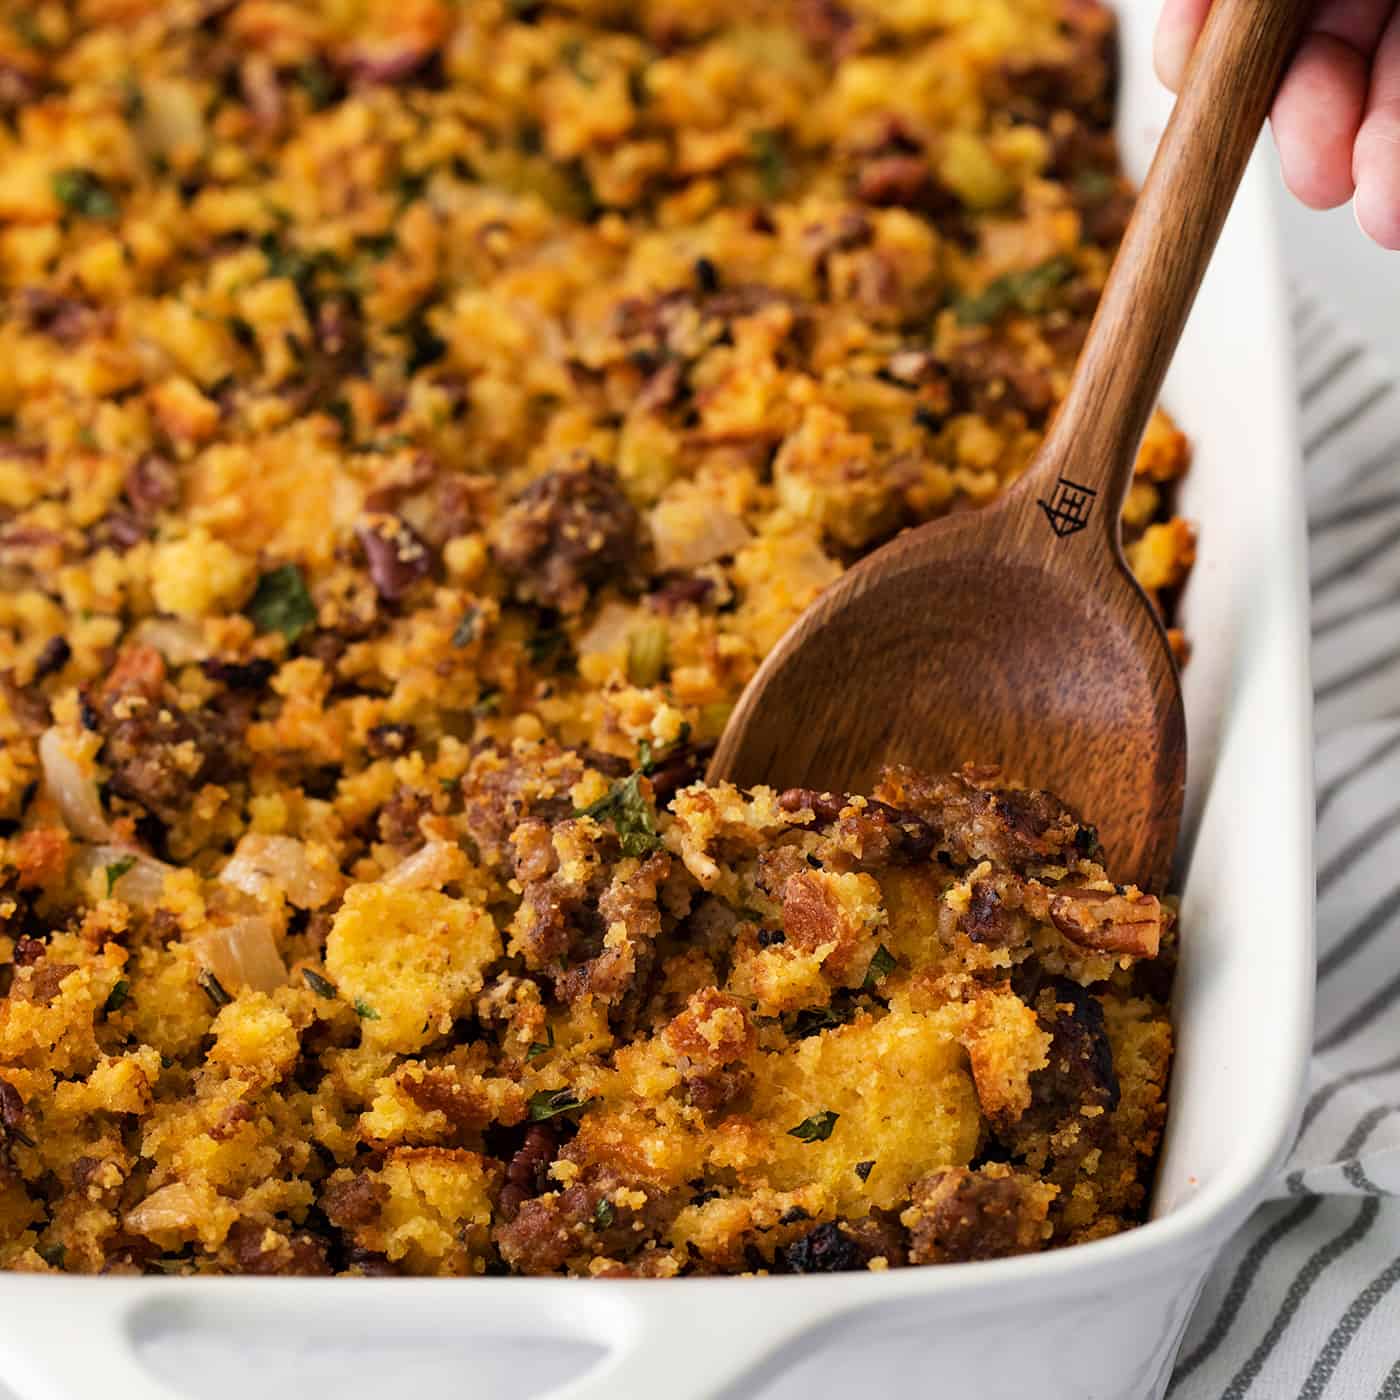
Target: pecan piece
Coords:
[[1107, 922]]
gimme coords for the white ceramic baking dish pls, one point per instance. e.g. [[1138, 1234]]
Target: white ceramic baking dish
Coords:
[[1103, 1320]]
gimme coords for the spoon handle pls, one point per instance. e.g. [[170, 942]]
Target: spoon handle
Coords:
[[1235, 71]]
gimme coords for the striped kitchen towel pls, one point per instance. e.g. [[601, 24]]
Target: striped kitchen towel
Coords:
[[1306, 1300]]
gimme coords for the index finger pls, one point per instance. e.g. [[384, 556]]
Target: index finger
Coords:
[[1177, 31]]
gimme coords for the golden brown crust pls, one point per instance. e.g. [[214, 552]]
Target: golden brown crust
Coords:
[[417, 422]]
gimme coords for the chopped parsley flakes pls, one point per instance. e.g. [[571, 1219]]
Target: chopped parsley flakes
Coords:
[[280, 603], [881, 965], [550, 1103], [82, 192], [322, 986], [768, 155], [627, 808], [1028, 290], [817, 1128], [468, 628], [812, 1020], [214, 989], [117, 869]]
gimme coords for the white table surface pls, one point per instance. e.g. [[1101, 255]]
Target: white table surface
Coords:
[[1327, 256]]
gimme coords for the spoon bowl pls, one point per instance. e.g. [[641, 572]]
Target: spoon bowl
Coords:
[[1016, 635], [1006, 663]]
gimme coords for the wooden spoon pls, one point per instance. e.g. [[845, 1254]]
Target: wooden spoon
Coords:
[[1016, 634]]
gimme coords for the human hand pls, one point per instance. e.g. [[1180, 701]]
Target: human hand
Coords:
[[1337, 116]]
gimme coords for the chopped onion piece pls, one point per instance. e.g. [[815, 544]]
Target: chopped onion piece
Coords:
[[70, 779], [263, 865], [242, 953], [178, 640], [690, 528], [174, 1207], [608, 634], [429, 869], [129, 875], [172, 115]]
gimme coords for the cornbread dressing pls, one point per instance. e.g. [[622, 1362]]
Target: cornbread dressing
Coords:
[[417, 421]]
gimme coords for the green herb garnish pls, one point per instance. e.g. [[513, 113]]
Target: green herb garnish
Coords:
[[487, 703], [280, 603], [82, 192], [881, 965], [550, 1103], [863, 1169], [52, 1254], [647, 758], [1029, 291], [1033, 287], [627, 808], [364, 1010], [990, 304], [214, 989], [817, 1128], [816, 1019], [768, 153], [468, 627], [318, 984], [603, 1214], [541, 1047], [117, 997], [117, 869]]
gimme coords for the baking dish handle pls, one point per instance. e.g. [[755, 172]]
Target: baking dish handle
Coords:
[[80, 1338], [77, 1344], [699, 1345]]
